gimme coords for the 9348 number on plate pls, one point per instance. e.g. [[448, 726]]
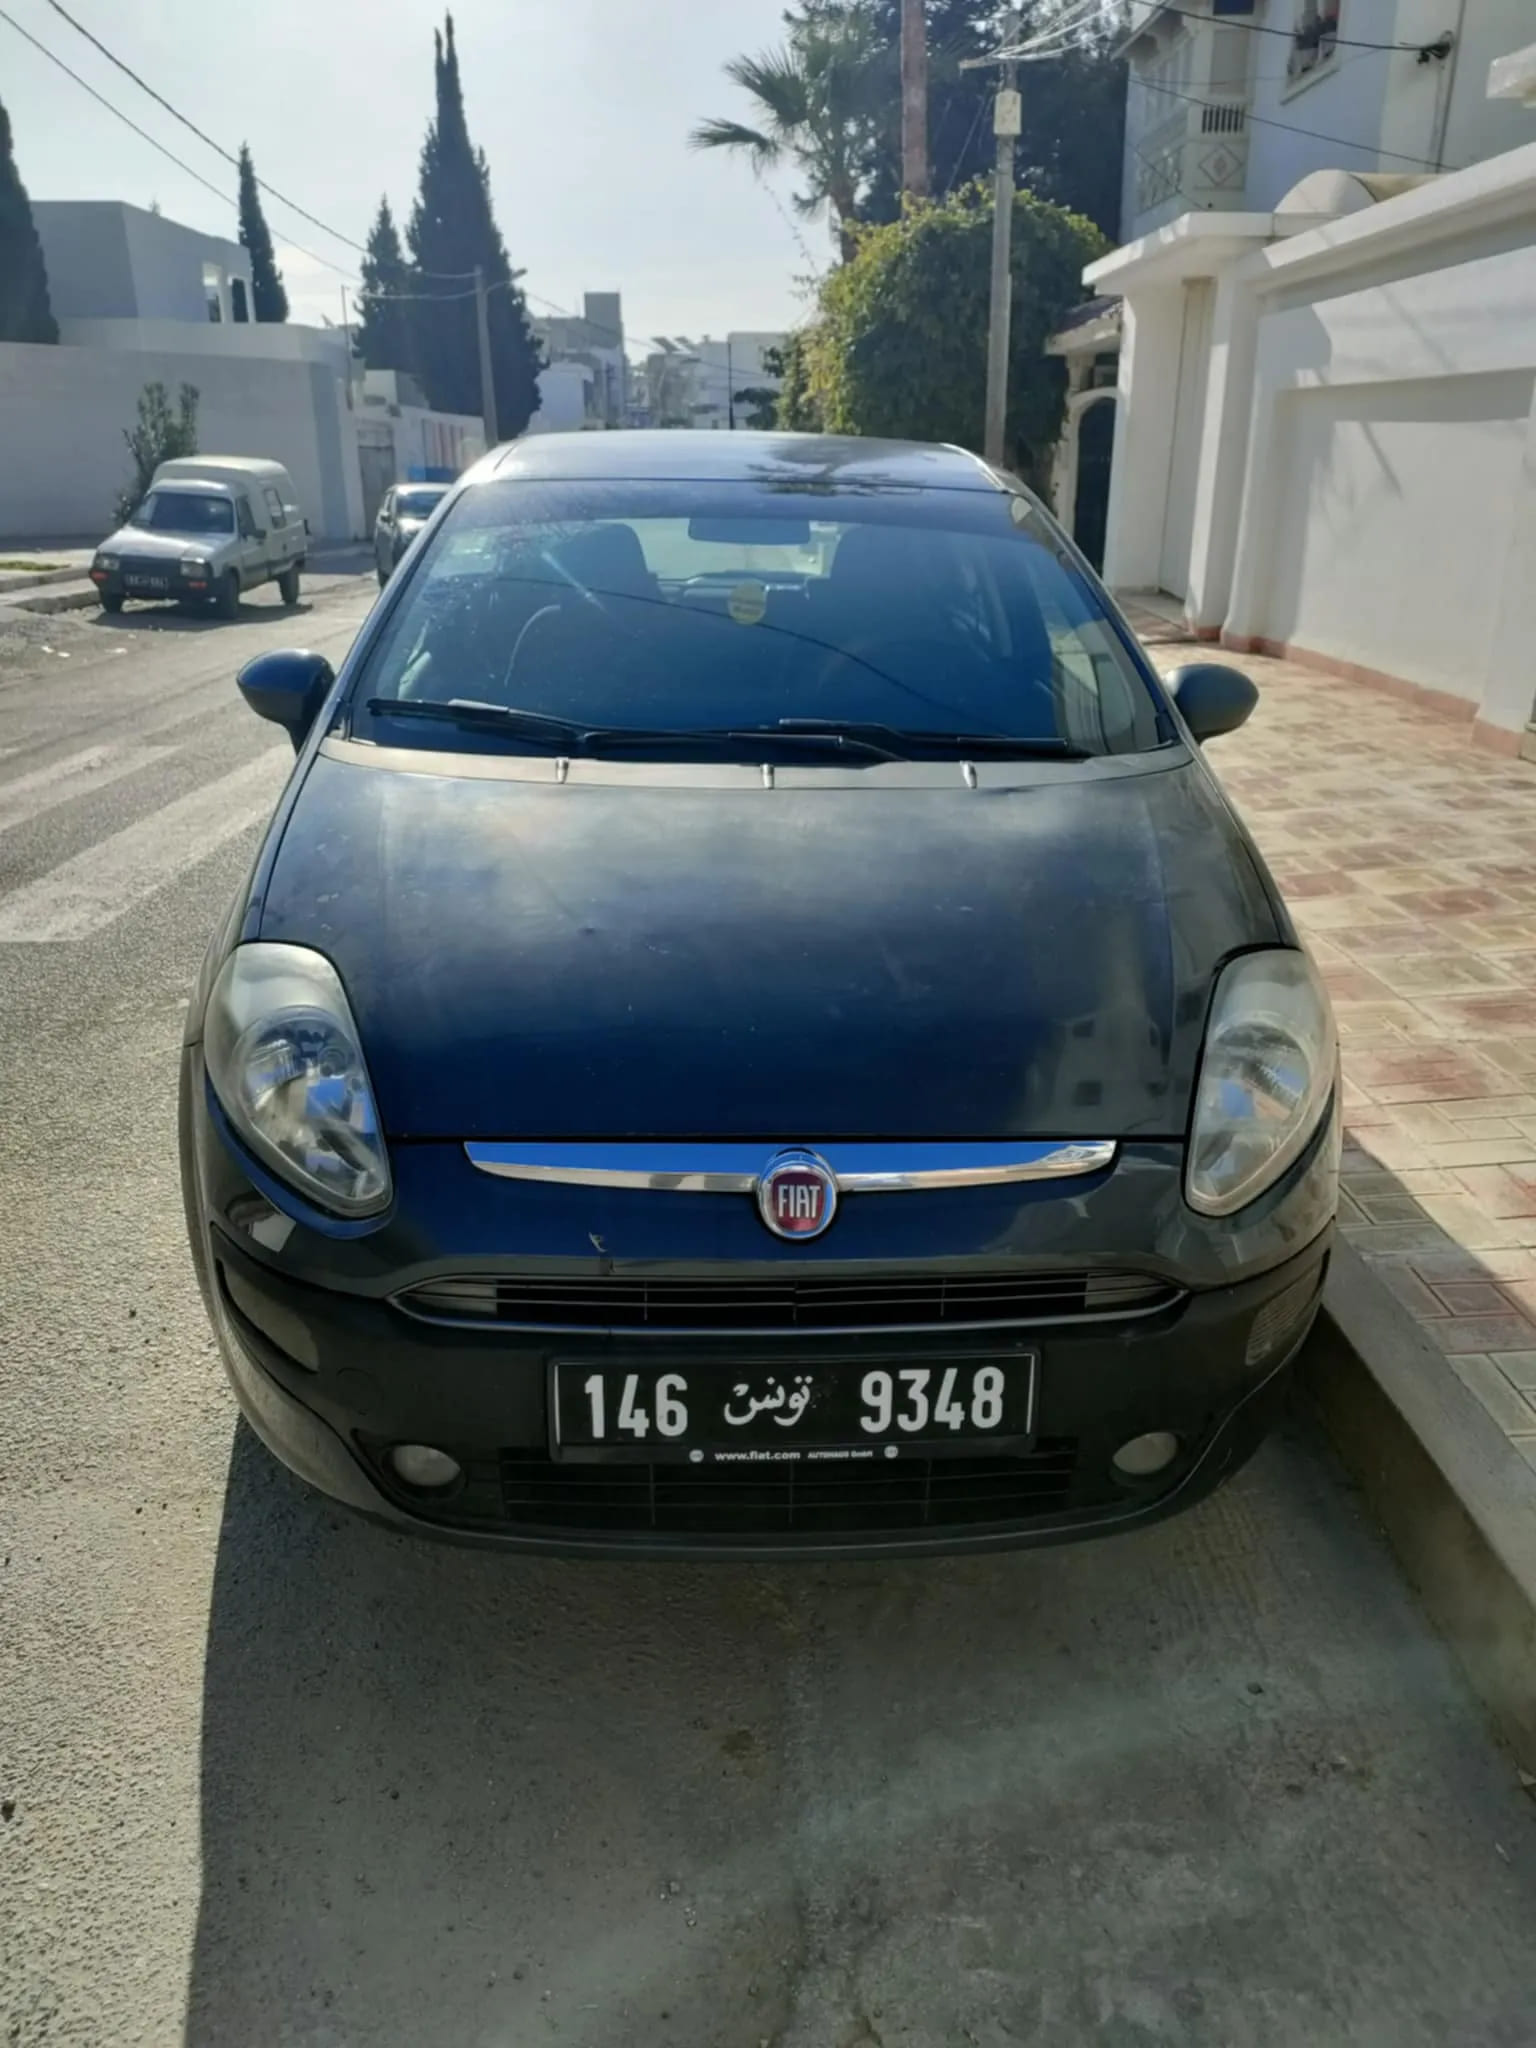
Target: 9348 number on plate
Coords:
[[812, 1409]]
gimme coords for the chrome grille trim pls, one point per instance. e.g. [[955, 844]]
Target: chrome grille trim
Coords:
[[734, 1169]]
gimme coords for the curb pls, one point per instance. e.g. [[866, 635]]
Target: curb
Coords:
[[76, 600], [1456, 1499], [28, 579]]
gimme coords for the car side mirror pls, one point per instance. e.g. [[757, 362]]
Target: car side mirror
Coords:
[[287, 686], [1211, 697]]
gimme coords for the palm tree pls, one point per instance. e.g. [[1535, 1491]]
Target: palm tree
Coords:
[[818, 103]]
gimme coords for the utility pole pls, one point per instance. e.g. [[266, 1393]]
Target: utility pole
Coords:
[[346, 328], [487, 382], [914, 100], [1006, 123], [730, 389]]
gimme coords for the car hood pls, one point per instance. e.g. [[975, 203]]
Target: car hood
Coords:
[[660, 955], [145, 546]]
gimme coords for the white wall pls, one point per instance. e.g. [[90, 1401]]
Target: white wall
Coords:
[[1365, 481], [63, 412], [1389, 504], [1478, 127], [435, 441], [244, 342], [562, 399], [1394, 504], [1344, 99]]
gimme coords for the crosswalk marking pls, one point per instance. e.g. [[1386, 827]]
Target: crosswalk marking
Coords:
[[90, 891], [76, 775]]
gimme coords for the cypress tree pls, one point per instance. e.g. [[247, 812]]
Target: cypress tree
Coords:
[[384, 333], [25, 314], [452, 229], [268, 299]]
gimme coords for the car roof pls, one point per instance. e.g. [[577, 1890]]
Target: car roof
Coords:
[[699, 456], [209, 484], [246, 465]]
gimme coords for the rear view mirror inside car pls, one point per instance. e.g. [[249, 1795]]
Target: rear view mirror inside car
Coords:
[[753, 533]]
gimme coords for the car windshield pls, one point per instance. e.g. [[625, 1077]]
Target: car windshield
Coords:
[[185, 512], [419, 504], [682, 607]]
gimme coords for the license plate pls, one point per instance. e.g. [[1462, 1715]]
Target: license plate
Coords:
[[809, 1410], [134, 582]]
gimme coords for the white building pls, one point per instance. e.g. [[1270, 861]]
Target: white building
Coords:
[[586, 380], [108, 261], [400, 439], [140, 299], [700, 383], [1232, 102], [1324, 438]]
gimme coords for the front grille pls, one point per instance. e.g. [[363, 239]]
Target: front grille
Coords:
[[917, 1493], [870, 1301]]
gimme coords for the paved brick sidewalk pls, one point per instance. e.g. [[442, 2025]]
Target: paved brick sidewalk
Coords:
[[1408, 857]]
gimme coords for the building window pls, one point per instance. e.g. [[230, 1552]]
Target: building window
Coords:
[[1315, 43], [237, 301]]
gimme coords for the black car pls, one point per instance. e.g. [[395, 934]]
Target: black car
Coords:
[[754, 1030], [403, 512]]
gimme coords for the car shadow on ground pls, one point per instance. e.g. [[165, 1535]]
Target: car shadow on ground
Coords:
[[1211, 1783], [169, 618]]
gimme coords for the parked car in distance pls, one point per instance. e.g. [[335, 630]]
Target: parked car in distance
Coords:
[[211, 528], [404, 512], [755, 1031]]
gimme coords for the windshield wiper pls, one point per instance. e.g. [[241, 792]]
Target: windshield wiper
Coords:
[[865, 739], [528, 725], [748, 738], [905, 740], [545, 730]]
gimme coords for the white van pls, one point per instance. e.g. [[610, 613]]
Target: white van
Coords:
[[210, 528]]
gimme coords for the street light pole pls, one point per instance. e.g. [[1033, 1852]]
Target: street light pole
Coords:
[[487, 381], [1006, 123]]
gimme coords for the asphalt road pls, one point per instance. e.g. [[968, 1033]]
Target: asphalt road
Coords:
[[268, 1775]]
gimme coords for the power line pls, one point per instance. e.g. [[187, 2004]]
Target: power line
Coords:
[[145, 135], [1260, 28], [1290, 128], [1050, 41], [368, 298], [229, 156], [218, 147], [95, 95]]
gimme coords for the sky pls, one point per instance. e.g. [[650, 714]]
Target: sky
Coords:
[[582, 107]]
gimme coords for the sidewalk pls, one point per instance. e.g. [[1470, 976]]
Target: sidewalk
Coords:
[[56, 580], [1408, 859]]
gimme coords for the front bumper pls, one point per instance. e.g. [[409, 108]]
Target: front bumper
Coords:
[[119, 582], [330, 1370]]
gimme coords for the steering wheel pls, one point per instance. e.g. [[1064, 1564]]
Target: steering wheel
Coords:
[[545, 611]]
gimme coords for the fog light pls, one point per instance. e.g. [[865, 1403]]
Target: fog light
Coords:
[[1144, 1455], [420, 1465]]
